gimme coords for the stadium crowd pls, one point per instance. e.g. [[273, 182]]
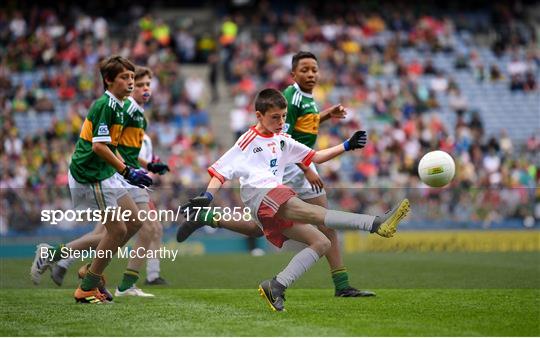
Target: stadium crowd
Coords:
[[53, 59]]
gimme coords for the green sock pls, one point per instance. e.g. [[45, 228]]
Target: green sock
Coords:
[[90, 281], [130, 277], [55, 252], [340, 278], [207, 217]]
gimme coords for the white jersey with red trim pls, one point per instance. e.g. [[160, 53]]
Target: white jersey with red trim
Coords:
[[258, 161]]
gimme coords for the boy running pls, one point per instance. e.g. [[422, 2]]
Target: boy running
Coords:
[[92, 180], [129, 146]]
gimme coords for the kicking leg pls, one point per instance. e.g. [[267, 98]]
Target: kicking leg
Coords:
[[386, 225]]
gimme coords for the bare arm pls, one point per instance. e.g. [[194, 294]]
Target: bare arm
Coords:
[[357, 141], [324, 155], [214, 185], [103, 151], [302, 166], [337, 111]]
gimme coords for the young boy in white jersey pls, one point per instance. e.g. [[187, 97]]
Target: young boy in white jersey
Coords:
[[258, 160], [302, 123]]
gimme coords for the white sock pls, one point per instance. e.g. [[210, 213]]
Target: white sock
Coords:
[[299, 264], [66, 262], [342, 220], [152, 269]]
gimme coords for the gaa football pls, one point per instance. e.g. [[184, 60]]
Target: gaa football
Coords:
[[436, 168]]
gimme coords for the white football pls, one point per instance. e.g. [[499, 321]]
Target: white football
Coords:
[[436, 168]]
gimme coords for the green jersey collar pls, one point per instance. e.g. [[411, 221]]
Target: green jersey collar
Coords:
[[109, 94], [301, 91], [135, 104]]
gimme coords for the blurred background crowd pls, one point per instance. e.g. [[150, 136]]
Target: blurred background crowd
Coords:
[[419, 77]]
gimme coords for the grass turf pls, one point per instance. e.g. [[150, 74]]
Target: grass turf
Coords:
[[418, 294]]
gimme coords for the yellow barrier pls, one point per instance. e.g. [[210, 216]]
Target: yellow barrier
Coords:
[[427, 241]]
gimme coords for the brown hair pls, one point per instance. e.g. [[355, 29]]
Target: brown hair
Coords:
[[141, 71], [113, 66], [269, 98]]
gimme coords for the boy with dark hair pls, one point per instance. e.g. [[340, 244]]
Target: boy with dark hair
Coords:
[[302, 123], [275, 207], [92, 180], [95, 149], [303, 119]]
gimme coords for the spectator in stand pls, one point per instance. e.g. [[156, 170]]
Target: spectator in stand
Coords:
[[458, 102]]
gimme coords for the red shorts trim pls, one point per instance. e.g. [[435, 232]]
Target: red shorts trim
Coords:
[[151, 205], [273, 226]]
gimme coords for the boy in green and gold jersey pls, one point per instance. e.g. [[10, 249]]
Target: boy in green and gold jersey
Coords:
[[92, 180], [129, 145], [93, 167]]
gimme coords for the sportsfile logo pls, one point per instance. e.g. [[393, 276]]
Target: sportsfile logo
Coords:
[[117, 214], [109, 214]]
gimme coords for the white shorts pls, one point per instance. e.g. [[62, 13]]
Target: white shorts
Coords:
[[96, 196], [138, 195], [294, 177]]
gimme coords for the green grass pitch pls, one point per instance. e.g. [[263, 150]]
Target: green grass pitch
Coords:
[[418, 294]]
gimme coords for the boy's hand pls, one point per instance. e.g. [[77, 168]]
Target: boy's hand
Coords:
[[158, 167], [314, 179], [201, 201], [337, 111], [137, 177], [357, 141]]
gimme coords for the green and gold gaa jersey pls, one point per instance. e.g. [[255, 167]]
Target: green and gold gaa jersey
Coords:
[[303, 117], [132, 136], [104, 123]]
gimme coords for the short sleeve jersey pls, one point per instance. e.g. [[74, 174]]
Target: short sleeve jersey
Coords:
[[131, 139], [258, 160], [147, 151], [104, 123], [303, 118]]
